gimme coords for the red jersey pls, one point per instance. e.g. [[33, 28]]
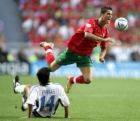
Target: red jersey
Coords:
[[78, 44]]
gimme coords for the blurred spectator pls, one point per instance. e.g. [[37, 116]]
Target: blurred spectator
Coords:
[[3, 51], [21, 55], [2, 37], [3, 55], [33, 58], [66, 31], [60, 18], [27, 25], [135, 56], [57, 20], [110, 57]]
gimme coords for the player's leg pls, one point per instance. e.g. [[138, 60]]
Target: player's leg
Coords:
[[23, 90], [25, 96], [85, 64], [18, 88], [50, 59], [85, 78], [87, 75]]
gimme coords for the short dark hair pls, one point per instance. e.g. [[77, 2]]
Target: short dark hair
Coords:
[[43, 76], [104, 9]]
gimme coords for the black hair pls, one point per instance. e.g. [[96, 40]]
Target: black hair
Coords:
[[43, 76], [104, 9]]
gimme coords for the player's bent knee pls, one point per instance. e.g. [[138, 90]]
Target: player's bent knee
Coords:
[[53, 67], [87, 81]]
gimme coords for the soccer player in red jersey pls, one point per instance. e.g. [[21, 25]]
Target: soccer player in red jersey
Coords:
[[93, 33]]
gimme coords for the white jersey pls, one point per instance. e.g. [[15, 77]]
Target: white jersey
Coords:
[[46, 98]]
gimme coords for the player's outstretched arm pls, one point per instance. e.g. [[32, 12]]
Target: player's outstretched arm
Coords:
[[102, 54], [30, 110], [66, 110], [94, 37]]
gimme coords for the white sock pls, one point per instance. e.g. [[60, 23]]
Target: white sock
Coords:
[[48, 50], [25, 106], [17, 84], [74, 80], [20, 89]]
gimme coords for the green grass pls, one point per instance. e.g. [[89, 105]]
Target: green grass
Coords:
[[105, 99]]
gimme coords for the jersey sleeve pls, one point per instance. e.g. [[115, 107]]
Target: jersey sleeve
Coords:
[[103, 45], [89, 26], [63, 97], [32, 97]]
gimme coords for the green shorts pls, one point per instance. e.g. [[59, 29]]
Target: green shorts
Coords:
[[67, 57]]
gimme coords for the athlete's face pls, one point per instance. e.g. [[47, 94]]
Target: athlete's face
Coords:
[[106, 17]]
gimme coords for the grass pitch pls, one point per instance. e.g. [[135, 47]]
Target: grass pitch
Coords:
[[105, 99]]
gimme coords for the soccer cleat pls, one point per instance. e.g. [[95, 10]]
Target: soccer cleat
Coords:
[[22, 108], [47, 45], [15, 83], [24, 105], [69, 84]]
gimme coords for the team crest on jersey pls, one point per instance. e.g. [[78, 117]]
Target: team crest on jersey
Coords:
[[88, 25]]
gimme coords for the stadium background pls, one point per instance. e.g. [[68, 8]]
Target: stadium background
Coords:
[[113, 95], [26, 23]]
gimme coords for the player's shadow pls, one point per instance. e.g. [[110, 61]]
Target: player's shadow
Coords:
[[59, 118], [73, 118]]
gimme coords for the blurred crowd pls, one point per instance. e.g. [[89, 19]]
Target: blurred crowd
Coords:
[[57, 20]]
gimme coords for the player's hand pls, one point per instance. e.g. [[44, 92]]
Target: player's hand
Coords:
[[110, 40], [102, 60]]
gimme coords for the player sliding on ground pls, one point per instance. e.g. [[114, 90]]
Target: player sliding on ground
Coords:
[[80, 46], [42, 100]]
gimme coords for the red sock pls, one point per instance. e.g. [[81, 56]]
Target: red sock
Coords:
[[80, 79], [49, 57], [71, 80]]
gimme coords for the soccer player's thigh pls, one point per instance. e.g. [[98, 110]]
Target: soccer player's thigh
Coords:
[[27, 89], [54, 66], [85, 64], [60, 60], [87, 73], [66, 57]]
